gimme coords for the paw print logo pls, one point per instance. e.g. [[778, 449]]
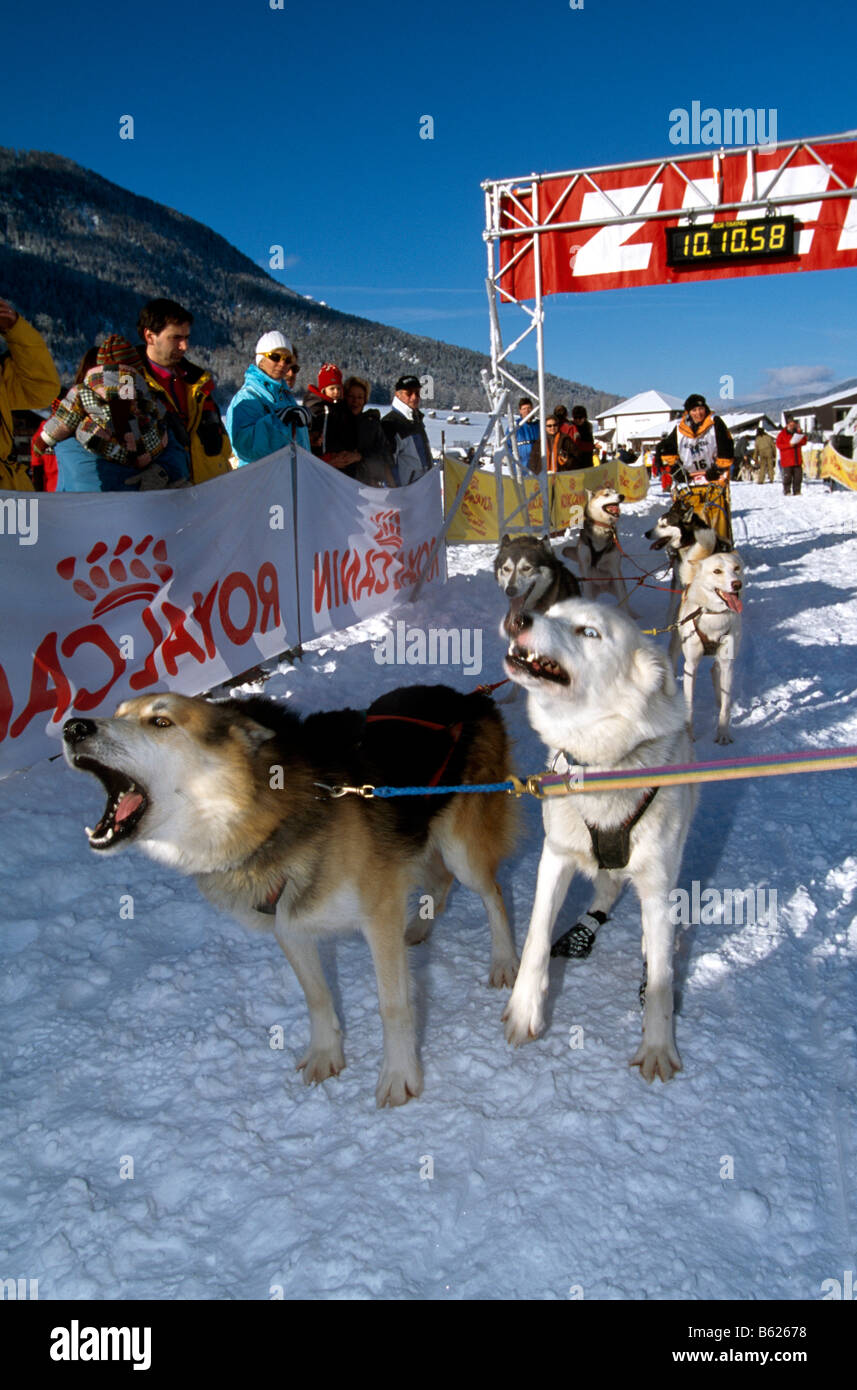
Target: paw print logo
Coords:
[[125, 576], [388, 528]]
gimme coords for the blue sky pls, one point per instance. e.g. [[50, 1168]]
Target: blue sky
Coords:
[[300, 127]]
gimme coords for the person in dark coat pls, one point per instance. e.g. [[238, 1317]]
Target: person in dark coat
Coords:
[[406, 434], [700, 444]]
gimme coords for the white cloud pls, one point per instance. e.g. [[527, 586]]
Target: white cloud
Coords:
[[779, 381]]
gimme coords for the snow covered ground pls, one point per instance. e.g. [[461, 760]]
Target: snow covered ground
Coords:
[[547, 1173]]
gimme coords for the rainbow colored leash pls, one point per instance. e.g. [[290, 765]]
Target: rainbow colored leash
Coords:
[[580, 779]]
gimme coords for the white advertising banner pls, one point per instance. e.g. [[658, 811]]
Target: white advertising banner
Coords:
[[106, 596], [361, 550]]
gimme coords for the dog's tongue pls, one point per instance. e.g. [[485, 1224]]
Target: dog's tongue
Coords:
[[732, 601], [127, 806]]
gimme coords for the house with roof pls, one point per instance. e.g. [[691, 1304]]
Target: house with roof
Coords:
[[825, 412], [639, 421]]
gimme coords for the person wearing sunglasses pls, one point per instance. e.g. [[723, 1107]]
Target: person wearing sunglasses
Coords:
[[263, 416]]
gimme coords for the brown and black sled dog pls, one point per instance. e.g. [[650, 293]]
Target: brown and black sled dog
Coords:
[[234, 793]]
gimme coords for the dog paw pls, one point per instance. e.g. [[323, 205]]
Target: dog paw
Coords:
[[321, 1063], [723, 736], [524, 1020], [398, 1086], [503, 973], [656, 1060]]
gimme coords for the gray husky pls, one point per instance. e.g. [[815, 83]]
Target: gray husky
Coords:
[[531, 576]]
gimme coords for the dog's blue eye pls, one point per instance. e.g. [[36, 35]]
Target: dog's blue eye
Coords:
[[588, 632]]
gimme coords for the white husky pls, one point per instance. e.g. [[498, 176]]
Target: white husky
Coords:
[[709, 621], [603, 696], [599, 558]]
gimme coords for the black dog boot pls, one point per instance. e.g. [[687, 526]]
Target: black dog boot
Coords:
[[577, 942]]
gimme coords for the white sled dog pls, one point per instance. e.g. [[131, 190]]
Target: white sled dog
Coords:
[[709, 621], [600, 695], [599, 559], [195, 785]]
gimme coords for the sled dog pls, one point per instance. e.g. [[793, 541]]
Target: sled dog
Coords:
[[598, 556], [601, 695], [238, 794], [527, 570], [709, 622], [676, 530]]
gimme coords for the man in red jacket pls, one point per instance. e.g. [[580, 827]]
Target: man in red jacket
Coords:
[[790, 444]]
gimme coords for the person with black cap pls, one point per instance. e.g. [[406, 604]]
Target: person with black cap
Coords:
[[406, 434], [700, 446]]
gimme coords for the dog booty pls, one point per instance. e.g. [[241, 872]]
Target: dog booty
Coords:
[[577, 942]]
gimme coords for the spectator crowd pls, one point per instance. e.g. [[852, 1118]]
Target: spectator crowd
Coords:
[[141, 416]]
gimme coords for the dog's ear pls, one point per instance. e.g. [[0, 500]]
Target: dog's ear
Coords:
[[505, 539], [248, 732], [653, 671]]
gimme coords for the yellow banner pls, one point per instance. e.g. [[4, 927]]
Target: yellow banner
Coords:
[[632, 480], [567, 493], [836, 466], [477, 518]]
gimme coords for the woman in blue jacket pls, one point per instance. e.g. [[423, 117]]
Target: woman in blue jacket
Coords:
[[264, 415]]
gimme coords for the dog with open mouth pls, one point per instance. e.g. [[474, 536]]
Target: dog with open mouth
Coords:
[[238, 793], [709, 621], [531, 576], [599, 557], [601, 695]]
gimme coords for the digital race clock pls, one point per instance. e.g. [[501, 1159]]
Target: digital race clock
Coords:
[[763, 238]]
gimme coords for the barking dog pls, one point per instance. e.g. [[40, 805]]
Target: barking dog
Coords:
[[602, 695], [598, 555], [676, 530], [231, 793], [531, 576], [710, 625]]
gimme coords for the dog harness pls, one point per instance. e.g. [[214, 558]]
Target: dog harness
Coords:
[[709, 644], [596, 555], [611, 848], [269, 906]]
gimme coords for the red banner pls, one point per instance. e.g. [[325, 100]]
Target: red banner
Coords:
[[604, 257]]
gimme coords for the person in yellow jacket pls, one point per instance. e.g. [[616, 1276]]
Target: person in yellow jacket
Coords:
[[28, 381], [198, 443]]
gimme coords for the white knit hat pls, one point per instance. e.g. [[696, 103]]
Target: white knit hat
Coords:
[[269, 342]]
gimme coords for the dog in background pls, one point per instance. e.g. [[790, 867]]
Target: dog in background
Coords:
[[237, 794], [709, 623], [602, 695], [677, 530], [597, 551], [530, 574]]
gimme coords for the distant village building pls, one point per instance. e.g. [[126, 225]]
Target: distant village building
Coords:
[[641, 420], [825, 412], [748, 421]]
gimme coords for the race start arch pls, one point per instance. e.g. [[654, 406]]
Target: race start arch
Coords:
[[755, 210]]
